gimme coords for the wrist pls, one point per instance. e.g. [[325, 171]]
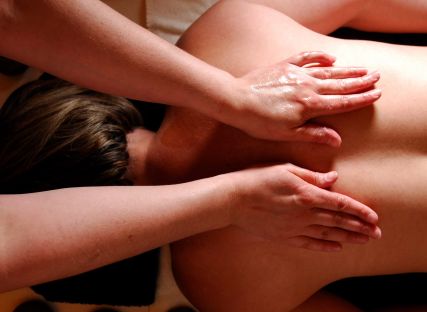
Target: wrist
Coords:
[[221, 197], [226, 106], [217, 99], [231, 104], [234, 190]]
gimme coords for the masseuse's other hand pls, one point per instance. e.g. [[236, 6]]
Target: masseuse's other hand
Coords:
[[278, 102], [290, 204]]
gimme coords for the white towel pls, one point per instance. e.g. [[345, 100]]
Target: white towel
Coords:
[[170, 18]]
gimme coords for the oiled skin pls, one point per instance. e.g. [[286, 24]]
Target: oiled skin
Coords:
[[382, 162]]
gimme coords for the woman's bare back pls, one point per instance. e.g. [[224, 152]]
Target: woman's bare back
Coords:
[[382, 162]]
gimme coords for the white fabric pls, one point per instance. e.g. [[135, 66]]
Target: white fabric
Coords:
[[170, 18], [168, 294]]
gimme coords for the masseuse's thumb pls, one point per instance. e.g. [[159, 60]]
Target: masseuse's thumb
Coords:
[[317, 134], [318, 179]]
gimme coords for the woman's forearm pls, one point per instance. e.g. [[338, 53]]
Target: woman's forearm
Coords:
[[59, 233], [368, 15], [90, 44], [397, 16]]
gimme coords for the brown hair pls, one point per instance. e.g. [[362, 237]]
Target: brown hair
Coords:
[[54, 134]]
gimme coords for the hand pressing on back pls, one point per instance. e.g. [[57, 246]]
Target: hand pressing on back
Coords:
[[291, 204], [278, 102]]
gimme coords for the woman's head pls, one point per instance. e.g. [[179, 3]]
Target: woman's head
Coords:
[[54, 134]]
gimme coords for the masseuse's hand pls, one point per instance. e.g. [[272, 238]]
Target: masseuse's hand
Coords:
[[278, 102], [290, 204]]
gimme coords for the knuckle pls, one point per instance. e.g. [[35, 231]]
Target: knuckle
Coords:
[[330, 106], [306, 100], [361, 228], [285, 168], [327, 73], [341, 85], [309, 100], [281, 169], [318, 214], [344, 100], [285, 66], [338, 219], [306, 55], [318, 178], [325, 234], [305, 83], [281, 175], [342, 203], [304, 196]]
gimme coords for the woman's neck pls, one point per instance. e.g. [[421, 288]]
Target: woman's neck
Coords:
[[139, 142], [190, 146]]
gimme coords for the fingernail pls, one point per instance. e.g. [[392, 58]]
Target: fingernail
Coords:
[[334, 142], [377, 233], [372, 217], [376, 93], [331, 176], [375, 75]]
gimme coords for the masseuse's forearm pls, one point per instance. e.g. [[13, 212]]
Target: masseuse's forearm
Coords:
[[90, 44], [45, 237]]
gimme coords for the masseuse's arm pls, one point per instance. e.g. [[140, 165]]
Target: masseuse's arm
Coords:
[[50, 235], [88, 43]]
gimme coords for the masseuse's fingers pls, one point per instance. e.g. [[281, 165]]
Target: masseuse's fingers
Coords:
[[335, 234], [320, 198], [319, 179], [311, 57], [317, 134], [348, 85], [336, 72], [314, 244], [280, 100], [344, 221], [335, 104]]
